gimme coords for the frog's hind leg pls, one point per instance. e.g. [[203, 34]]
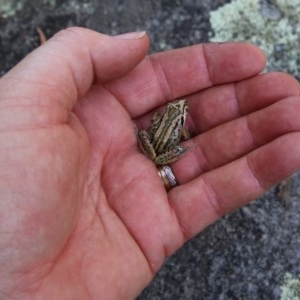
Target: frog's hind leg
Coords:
[[171, 155], [145, 144]]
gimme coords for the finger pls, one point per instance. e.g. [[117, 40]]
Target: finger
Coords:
[[223, 103], [203, 200], [231, 140], [172, 74], [62, 70]]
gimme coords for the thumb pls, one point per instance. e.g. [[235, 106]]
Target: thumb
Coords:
[[65, 67]]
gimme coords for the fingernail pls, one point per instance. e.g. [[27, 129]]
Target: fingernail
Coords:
[[131, 35]]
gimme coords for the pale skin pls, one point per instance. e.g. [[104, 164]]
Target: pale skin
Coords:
[[83, 213]]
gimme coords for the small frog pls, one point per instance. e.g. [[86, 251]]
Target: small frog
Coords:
[[161, 141]]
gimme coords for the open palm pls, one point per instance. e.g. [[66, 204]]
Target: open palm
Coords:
[[83, 214]]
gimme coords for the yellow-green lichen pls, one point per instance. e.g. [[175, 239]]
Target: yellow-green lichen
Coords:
[[275, 28], [8, 8], [290, 290]]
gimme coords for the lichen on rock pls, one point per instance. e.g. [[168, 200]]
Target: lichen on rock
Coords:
[[273, 27], [290, 290], [8, 8]]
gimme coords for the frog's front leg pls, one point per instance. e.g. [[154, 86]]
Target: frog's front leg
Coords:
[[145, 144], [170, 155]]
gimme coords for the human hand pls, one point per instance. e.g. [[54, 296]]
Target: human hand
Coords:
[[84, 214]]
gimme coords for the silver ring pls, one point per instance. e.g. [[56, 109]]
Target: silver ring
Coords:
[[167, 176]]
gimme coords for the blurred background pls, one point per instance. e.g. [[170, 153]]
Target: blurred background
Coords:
[[253, 253]]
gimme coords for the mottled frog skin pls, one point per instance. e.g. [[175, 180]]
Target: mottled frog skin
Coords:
[[161, 141]]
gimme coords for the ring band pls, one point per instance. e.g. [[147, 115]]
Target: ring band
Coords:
[[167, 176]]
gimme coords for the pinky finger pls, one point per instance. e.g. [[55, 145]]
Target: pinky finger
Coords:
[[213, 194]]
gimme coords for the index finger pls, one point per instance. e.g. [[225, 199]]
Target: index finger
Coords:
[[63, 69], [165, 76]]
